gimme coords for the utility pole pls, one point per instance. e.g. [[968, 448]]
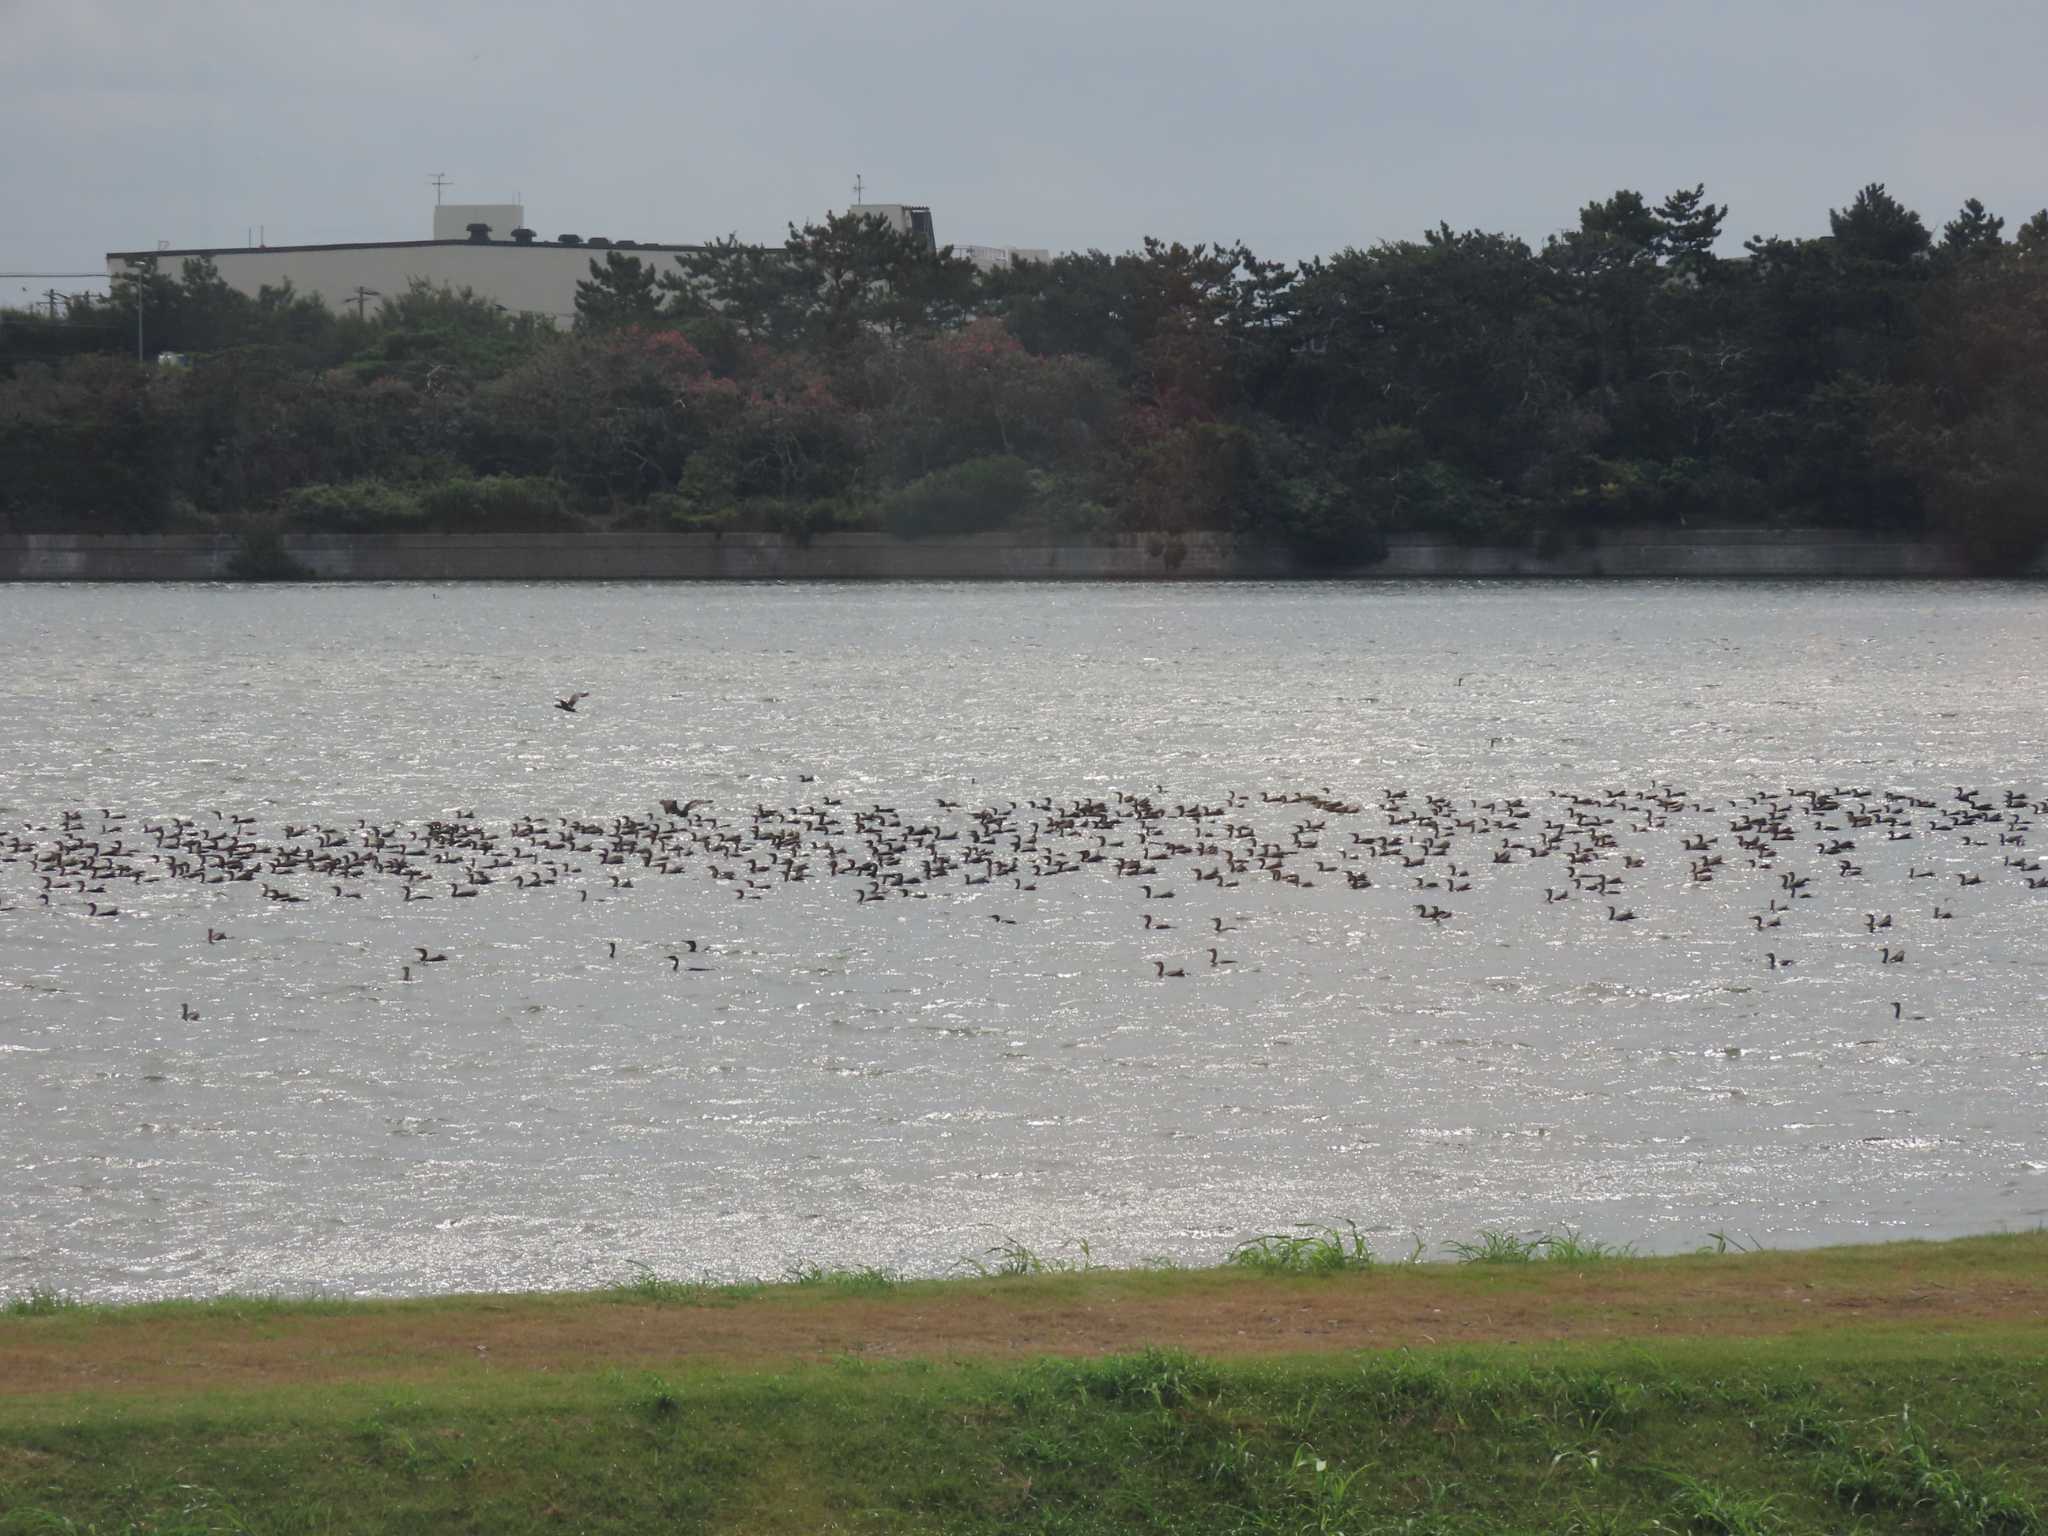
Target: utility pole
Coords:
[[138, 317], [859, 187], [361, 297], [53, 296], [437, 181]]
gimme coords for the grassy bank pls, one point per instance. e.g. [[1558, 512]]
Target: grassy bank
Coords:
[[1893, 1388]]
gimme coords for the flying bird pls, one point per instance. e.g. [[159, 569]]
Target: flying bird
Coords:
[[569, 704]]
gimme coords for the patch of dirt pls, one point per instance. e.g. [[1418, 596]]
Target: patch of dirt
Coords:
[[1219, 1314]]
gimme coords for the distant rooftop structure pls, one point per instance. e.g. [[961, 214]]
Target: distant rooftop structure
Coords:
[[452, 220], [905, 218]]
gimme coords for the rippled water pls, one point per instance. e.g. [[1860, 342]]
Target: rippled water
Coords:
[[905, 1082]]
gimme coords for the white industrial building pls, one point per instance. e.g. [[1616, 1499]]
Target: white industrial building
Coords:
[[509, 266], [484, 247], [994, 258]]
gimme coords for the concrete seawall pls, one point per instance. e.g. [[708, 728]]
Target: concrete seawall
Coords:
[[1727, 553]]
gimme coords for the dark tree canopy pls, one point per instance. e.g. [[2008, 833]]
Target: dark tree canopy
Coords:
[[1626, 372], [829, 284]]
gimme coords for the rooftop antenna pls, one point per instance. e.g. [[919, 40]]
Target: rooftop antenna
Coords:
[[859, 187], [437, 181]]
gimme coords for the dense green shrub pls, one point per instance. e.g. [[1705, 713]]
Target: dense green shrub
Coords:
[[972, 497], [1322, 509], [706, 494], [1324, 522], [457, 503], [82, 444], [354, 506], [686, 514], [495, 501], [801, 518], [1065, 504], [1442, 498]]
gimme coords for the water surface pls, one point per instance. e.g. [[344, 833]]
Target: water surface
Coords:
[[904, 1082]]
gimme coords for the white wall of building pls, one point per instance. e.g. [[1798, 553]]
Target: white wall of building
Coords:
[[539, 278], [994, 258]]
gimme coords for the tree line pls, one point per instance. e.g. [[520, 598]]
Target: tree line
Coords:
[[1622, 374]]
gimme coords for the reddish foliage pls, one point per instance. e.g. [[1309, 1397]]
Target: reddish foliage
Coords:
[[667, 352]]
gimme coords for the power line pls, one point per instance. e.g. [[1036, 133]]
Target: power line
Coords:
[[53, 274]]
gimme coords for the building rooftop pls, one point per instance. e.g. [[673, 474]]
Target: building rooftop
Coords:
[[398, 245]]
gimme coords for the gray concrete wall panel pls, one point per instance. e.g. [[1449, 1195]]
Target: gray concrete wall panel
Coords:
[[647, 556]]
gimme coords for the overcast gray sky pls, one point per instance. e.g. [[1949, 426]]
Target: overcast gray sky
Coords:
[[1299, 126]]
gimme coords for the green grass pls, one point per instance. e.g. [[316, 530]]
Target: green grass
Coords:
[[1698, 1505], [1564, 1246], [1908, 1472], [1909, 1425], [1011, 1259], [38, 1302], [655, 1290], [1495, 1260], [1307, 1250], [1834, 1433], [864, 1281]]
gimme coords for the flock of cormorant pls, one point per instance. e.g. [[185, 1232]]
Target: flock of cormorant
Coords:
[[1431, 848]]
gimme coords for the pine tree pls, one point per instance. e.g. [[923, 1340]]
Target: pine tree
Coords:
[[2032, 237], [621, 291], [1972, 230], [1878, 227], [1691, 226]]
